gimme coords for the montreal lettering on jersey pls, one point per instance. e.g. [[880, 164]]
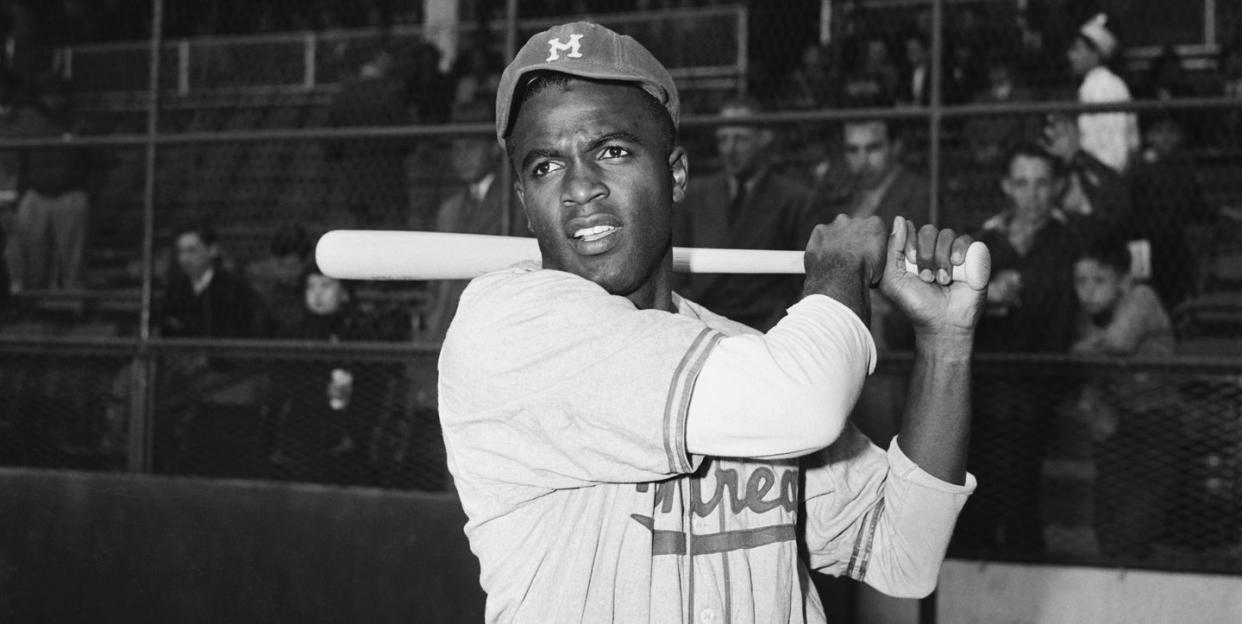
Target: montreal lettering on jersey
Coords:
[[765, 489]]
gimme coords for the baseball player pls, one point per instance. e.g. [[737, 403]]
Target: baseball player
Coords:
[[624, 454]]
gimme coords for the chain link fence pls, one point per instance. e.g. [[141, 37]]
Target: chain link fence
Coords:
[[362, 116]]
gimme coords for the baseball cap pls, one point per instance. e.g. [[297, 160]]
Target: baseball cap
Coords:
[[585, 50], [1096, 31]]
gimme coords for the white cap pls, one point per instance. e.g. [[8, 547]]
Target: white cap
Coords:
[[1096, 31]]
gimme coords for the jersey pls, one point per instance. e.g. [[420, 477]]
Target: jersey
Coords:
[[564, 412]]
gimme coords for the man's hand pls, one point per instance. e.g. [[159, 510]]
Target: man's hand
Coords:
[[844, 259], [939, 308]]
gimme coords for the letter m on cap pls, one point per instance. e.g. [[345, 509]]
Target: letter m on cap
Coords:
[[555, 47]]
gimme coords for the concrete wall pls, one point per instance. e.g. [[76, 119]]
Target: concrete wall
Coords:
[[996, 593], [78, 547]]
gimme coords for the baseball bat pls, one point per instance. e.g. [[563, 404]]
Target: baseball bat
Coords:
[[404, 255]]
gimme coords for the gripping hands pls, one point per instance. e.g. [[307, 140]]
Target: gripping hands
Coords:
[[935, 276]]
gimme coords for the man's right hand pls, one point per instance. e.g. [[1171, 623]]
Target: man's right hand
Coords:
[[844, 259]]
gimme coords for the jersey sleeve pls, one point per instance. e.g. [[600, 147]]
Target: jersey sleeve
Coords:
[[548, 381], [876, 517]]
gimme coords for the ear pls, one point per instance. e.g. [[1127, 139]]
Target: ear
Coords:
[[521, 197], [679, 167], [519, 192], [1006, 186]]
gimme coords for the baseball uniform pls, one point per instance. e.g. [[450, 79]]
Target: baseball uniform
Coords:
[[564, 411]]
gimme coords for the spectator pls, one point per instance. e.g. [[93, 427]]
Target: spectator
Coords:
[[210, 422], [746, 205], [204, 299], [1093, 195], [876, 181], [812, 85], [964, 77], [875, 79], [915, 86], [50, 230], [369, 174], [477, 206], [428, 91], [1112, 138], [477, 70], [1169, 205], [323, 410], [277, 279], [1128, 413], [971, 182], [1030, 309], [1166, 78]]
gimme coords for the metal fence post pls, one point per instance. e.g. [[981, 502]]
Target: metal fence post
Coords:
[[935, 118], [141, 423]]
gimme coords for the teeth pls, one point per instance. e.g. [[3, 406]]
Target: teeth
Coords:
[[594, 233]]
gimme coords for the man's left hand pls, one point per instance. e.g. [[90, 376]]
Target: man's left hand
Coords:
[[938, 306]]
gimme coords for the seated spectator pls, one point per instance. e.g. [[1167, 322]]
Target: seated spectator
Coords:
[[1030, 309], [204, 299], [1168, 205], [477, 70], [476, 206], [50, 230], [1112, 138], [1093, 195], [277, 279], [812, 85], [971, 191], [874, 78], [875, 181], [323, 411], [429, 92], [915, 86], [964, 75], [746, 205], [1166, 78], [1128, 414], [208, 422]]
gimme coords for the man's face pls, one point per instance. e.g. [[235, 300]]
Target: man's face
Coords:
[[1098, 287], [473, 158], [1030, 186], [324, 295], [741, 147], [193, 255], [597, 185], [1082, 58], [869, 154], [916, 52]]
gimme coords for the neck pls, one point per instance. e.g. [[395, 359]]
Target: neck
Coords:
[[1034, 220], [656, 292]]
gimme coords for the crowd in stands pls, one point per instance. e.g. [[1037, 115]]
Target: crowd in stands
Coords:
[[1097, 225]]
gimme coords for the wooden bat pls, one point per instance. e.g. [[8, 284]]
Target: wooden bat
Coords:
[[405, 255]]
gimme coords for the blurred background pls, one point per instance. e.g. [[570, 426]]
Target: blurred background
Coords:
[[152, 151]]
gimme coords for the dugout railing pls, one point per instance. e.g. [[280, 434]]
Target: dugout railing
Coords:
[[123, 399]]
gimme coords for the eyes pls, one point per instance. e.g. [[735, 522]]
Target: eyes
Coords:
[[549, 165]]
